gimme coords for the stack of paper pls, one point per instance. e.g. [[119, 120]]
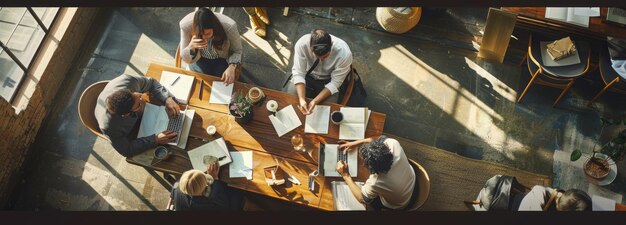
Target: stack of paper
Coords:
[[570, 15], [220, 93], [354, 123], [343, 198], [241, 165], [177, 84], [548, 61], [317, 121], [599, 203], [216, 148], [285, 120]]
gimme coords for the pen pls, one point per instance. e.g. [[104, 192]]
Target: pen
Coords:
[[220, 159], [178, 77], [201, 88]]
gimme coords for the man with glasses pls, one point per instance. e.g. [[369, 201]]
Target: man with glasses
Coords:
[[320, 66], [120, 108]]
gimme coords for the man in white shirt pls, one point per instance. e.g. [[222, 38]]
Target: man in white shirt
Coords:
[[391, 183], [542, 198], [323, 84]]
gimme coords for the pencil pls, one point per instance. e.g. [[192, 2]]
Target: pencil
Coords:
[[178, 77], [201, 89]]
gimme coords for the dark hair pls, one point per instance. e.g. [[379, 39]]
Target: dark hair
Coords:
[[574, 200], [120, 102], [206, 19], [377, 156], [320, 42]]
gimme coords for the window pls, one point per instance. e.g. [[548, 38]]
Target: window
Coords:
[[22, 30]]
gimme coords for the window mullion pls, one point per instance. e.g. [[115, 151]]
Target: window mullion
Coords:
[[32, 12]]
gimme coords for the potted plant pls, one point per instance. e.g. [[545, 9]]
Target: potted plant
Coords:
[[240, 108], [598, 165]]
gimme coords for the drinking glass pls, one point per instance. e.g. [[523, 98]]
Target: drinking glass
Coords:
[[298, 143]]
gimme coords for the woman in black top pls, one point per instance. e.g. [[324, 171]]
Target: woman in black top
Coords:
[[199, 190]]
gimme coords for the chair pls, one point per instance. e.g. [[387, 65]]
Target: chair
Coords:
[[86, 106], [612, 80], [498, 30], [179, 62], [562, 77], [423, 184]]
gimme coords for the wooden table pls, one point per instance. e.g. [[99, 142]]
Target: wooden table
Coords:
[[533, 18], [259, 137]]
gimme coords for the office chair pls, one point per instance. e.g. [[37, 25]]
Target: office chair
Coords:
[[87, 104]]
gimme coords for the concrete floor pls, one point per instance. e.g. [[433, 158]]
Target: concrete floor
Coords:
[[429, 83]]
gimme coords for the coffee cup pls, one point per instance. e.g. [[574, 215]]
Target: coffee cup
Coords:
[[162, 153], [272, 106], [255, 95], [336, 117], [211, 130]]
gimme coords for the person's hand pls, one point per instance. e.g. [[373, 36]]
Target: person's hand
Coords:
[[165, 137], [171, 107], [311, 105], [342, 168], [229, 75], [214, 170], [303, 107], [347, 146], [197, 43]]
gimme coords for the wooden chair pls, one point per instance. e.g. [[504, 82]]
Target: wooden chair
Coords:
[[423, 184], [562, 77], [86, 106], [351, 81], [498, 30], [612, 80], [178, 64]]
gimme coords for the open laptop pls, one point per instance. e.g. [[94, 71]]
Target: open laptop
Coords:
[[155, 120], [330, 154]]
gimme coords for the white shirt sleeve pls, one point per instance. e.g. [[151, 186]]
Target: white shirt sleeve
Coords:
[[300, 61], [339, 74], [368, 190], [534, 200]]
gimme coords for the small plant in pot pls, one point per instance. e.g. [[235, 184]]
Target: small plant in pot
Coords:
[[240, 108], [598, 165]]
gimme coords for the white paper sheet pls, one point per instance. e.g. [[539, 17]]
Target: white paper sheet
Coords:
[[220, 93], [285, 120], [215, 148], [547, 60], [241, 165], [353, 125], [587, 11], [599, 203], [343, 198], [181, 89], [317, 121]]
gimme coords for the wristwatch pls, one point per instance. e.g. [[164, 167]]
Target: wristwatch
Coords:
[[235, 64]]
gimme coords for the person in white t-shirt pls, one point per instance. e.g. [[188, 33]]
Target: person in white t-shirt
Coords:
[[392, 179], [542, 198]]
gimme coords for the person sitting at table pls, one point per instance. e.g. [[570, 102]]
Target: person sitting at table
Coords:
[[210, 44], [542, 198], [199, 190], [392, 179], [120, 108], [617, 53], [334, 60]]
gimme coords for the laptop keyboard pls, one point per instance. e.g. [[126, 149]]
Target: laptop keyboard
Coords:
[[176, 124], [342, 157]]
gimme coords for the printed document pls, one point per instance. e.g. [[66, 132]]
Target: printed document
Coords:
[[353, 125], [317, 121], [285, 120], [220, 93], [181, 88], [241, 165], [343, 197], [215, 148]]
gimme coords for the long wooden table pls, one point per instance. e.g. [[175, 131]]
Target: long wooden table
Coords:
[[533, 18], [259, 137]]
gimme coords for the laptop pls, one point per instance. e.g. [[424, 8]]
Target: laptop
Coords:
[[616, 15], [330, 154], [155, 120]]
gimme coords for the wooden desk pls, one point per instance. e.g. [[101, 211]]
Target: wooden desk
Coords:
[[533, 18], [260, 137]]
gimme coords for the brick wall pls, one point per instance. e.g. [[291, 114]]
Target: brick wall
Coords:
[[18, 131]]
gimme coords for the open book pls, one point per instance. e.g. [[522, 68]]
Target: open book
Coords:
[[343, 198], [317, 121], [354, 123], [567, 14], [178, 84], [216, 148], [285, 120]]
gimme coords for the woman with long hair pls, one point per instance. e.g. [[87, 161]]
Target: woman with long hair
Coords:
[[210, 44]]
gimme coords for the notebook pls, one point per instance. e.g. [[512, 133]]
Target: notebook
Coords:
[[215, 148], [241, 165], [155, 120], [285, 120], [329, 155], [548, 61], [343, 198], [354, 123], [220, 93], [317, 121], [178, 84]]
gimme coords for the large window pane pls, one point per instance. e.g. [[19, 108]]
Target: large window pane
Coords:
[[10, 77]]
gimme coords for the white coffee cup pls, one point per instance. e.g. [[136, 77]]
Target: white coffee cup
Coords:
[[211, 130], [271, 105]]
